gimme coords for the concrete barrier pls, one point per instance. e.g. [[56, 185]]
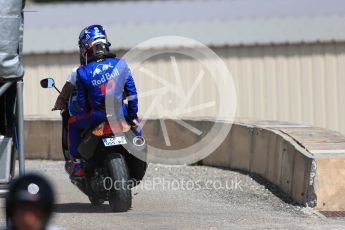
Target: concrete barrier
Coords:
[[307, 163], [42, 139]]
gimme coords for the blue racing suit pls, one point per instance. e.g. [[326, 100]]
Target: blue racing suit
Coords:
[[97, 81]]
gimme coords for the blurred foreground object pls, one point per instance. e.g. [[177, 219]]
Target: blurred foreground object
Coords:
[[11, 90], [29, 203]]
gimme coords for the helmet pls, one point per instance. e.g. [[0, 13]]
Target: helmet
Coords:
[[30, 189], [93, 41]]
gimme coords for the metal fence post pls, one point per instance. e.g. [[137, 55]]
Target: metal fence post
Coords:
[[20, 122]]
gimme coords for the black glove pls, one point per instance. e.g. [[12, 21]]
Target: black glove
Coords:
[[133, 122]]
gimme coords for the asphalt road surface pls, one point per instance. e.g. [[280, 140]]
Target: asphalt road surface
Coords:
[[184, 197]]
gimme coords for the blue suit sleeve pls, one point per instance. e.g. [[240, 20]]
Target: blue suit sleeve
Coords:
[[131, 93], [82, 94]]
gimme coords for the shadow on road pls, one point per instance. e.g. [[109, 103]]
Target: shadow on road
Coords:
[[81, 208]]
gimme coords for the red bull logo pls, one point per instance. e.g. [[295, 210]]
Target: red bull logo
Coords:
[[105, 77]]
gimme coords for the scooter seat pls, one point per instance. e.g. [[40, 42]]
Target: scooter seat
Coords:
[[111, 127]]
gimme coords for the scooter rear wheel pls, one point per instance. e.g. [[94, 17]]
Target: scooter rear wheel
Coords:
[[95, 201], [120, 199]]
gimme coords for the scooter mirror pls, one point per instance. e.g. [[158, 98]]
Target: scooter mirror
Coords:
[[47, 83]]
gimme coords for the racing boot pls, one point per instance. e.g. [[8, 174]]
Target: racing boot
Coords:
[[75, 168]]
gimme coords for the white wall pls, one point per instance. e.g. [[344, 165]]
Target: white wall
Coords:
[[298, 83]]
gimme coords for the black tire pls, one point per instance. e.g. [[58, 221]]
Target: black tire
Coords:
[[95, 201], [120, 199], [137, 169]]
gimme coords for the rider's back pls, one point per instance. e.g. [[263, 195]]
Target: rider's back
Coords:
[[99, 79]]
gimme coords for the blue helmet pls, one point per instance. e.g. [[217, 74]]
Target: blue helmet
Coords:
[[93, 40]]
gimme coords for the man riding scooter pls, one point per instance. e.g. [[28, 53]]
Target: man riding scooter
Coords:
[[101, 75]]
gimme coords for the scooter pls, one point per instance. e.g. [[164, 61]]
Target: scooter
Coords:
[[114, 158]]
